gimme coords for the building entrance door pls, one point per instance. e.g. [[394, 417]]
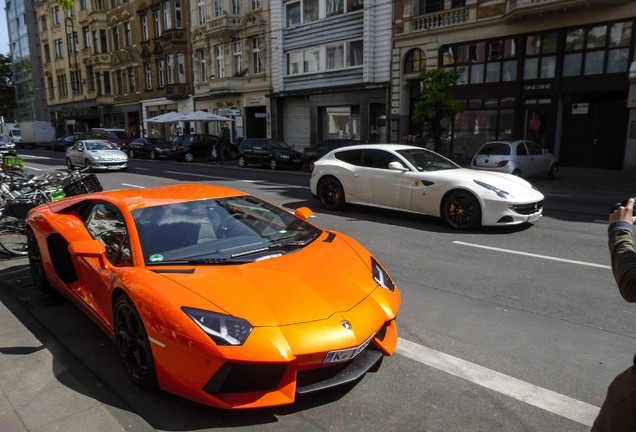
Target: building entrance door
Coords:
[[594, 134]]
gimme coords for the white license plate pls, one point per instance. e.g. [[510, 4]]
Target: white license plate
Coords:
[[346, 354], [533, 218]]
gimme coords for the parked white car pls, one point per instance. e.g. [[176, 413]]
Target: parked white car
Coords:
[[419, 180], [520, 157], [97, 155]]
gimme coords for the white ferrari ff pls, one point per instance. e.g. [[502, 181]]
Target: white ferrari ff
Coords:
[[419, 180]]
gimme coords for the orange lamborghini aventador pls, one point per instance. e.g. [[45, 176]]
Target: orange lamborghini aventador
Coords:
[[216, 295]]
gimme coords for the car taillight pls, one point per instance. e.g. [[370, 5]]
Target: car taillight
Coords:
[[502, 163], [474, 162], [180, 147]]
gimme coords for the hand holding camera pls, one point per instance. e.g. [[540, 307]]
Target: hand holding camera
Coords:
[[623, 211]]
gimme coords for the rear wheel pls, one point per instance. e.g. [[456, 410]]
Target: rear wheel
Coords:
[[331, 193], [153, 154], [461, 210], [89, 165], [133, 344], [12, 235], [553, 171], [35, 263], [273, 164], [131, 153], [188, 157]]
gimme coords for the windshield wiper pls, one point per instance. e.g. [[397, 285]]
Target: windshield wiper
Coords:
[[198, 261], [274, 247]]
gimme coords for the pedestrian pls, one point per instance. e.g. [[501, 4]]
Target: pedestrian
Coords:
[[418, 139], [224, 141], [618, 412]]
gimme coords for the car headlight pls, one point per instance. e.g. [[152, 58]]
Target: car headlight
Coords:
[[284, 156], [500, 193], [222, 329], [95, 157], [381, 277]]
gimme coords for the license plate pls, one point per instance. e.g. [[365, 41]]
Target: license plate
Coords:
[[533, 218], [346, 354]]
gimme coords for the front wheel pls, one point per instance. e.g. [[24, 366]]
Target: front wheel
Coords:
[[35, 263], [242, 162], [89, 165], [69, 165], [273, 164], [331, 193], [461, 210], [188, 157], [553, 171], [153, 155], [131, 153], [133, 344]]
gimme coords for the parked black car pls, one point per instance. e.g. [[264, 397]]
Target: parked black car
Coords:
[[61, 144], [271, 152], [194, 146], [312, 153], [152, 148]]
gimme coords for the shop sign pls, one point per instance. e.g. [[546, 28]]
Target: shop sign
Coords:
[[530, 87], [260, 115], [580, 108], [232, 112]]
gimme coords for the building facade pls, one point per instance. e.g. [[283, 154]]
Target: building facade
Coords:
[[28, 77], [555, 71], [231, 54], [331, 70]]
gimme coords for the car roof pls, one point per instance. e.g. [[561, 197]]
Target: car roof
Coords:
[[393, 147], [152, 196]]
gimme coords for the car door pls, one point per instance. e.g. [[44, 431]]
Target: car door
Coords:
[[539, 161], [106, 224], [377, 184], [260, 152], [76, 155], [522, 159]]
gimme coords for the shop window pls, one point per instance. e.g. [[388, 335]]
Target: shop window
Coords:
[[490, 61], [341, 122], [540, 58]]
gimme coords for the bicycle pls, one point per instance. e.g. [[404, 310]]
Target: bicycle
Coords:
[[21, 196]]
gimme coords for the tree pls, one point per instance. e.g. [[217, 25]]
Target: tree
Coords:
[[7, 91], [66, 4], [435, 103]]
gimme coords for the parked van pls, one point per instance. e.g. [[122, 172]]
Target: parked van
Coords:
[[119, 137]]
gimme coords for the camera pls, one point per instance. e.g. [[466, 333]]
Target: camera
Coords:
[[622, 204]]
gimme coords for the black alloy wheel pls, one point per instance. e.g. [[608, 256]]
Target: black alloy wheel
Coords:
[[35, 263], [131, 153], [554, 168], [331, 193], [461, 210], [242, 162], [153, 155], [273, 164], [133, 344], [188, 157]]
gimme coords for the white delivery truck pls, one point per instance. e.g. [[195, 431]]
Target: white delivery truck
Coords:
[[12, 130], [36, 133]]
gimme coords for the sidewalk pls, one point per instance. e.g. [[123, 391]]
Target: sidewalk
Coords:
[[43, 386]]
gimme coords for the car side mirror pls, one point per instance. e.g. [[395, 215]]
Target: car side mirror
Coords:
[[89, 248], [303, 213], [397, 166]]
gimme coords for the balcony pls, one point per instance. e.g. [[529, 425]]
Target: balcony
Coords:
[[177, 91], [223, 28], [105, 99], [175, 36], [101, 61], [444, 19]]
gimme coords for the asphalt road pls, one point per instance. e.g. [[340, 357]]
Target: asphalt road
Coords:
[[515, 329]]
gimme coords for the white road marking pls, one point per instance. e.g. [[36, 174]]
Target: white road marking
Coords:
[[133, 186], [545, 399], [233, 179], [198, 175], [142, 169], [583, 263]]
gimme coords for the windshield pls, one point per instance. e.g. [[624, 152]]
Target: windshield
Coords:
[[495, 149], [277, 144], [117, 135], [234, 229], [425, 160], [99, 146], [16, 132]]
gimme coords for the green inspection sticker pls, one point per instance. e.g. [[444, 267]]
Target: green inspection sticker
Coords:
[[156, 257]]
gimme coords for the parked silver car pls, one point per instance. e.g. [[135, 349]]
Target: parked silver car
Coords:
[[97, 155], [519, 157]]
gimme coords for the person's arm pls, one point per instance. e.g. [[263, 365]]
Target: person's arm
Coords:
[[622, 250]]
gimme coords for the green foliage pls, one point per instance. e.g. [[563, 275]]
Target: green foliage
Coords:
[[66, 4], [435, 104], [7, 91]]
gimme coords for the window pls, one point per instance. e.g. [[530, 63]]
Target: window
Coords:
[[43, 23], [483, 61], [415, 61], [160, 73], [106, 224], [49, 84], [167, 16], [157, 17], [115, 32], [59, 48], [292, 13], [334, 7], [120, 84], [103, 41], [91, 78], [236, 7], [430, 6], [337, 56], [255, 4], [355, 55], [144, 28], [178, 18], [181, 67], [201, 11], [61, 86], [148, 73], [306, 11], [540, 59], [55, 15], [47, 54], [202, 66], [83, 4], [128, 33], [220, 66], [237, 63], [216, 8], [131, 80], [87, 37], [170, 65], [256, 55]]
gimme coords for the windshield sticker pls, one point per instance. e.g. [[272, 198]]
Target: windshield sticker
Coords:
[[156, 258]]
